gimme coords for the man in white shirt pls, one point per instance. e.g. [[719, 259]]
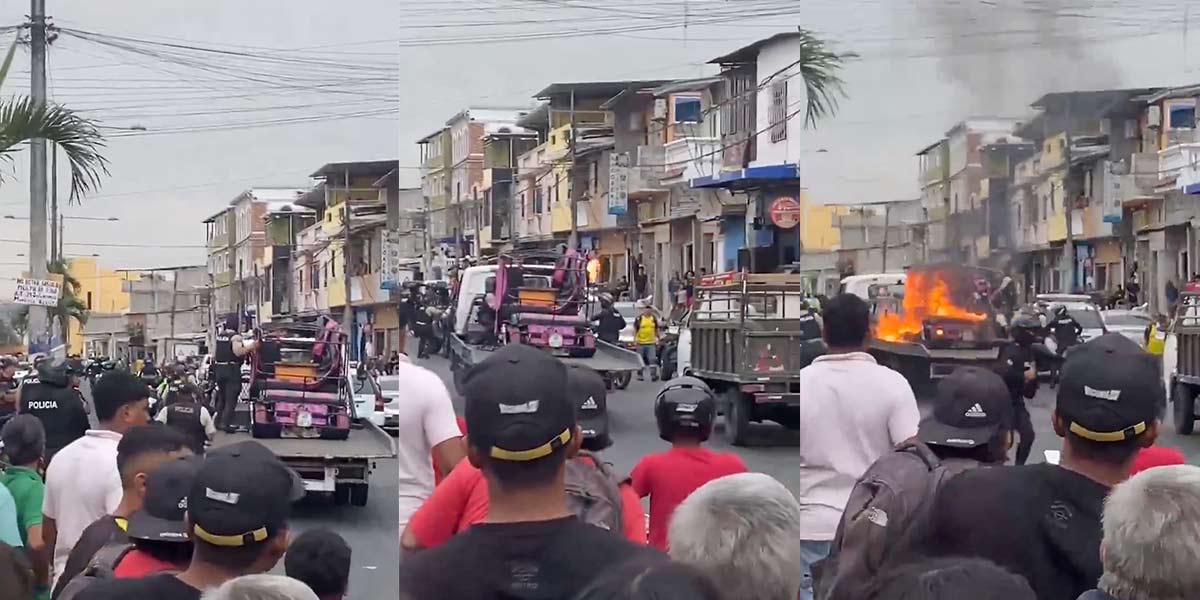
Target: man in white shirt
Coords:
[[82, 482], [852, 411], [426, 427]]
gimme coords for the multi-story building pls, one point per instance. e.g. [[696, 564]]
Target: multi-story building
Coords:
[[501, 147], [436, 154], [273, 271], [220, 229], [467, 130], [338, 258], [102, 292], [761, 142], [933, 168]]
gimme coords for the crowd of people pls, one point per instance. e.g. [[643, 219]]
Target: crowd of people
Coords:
[[515, 499], [130, 510]]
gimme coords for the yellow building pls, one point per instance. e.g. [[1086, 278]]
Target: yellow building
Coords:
[[102, 291], [819, 224]]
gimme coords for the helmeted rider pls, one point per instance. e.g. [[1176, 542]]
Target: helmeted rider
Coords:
[[228, 354], [1065, 328], [52, 396], [608, 320], [1018, 367], [685, 405]]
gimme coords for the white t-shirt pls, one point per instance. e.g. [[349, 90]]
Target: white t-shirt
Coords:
[[425, 419], [852, 411], [82, 485]]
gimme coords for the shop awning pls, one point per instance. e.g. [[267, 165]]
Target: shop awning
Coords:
[[750, 177]]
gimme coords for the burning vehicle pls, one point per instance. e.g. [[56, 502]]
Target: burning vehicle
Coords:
[[940, 320]]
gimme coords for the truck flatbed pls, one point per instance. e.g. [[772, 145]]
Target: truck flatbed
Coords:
[[368, 442]]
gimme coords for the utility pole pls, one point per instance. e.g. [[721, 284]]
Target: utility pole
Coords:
[[38, 315], [347, 310], [56, 227], [174, 295], [573, 242], [1068, 263], [427, 242], [887, 223]]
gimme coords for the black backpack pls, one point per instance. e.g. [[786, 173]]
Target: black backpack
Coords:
[[100, 568]]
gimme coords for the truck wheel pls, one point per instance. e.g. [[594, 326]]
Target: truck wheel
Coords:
[[358, 494], [1185, 408], [341, 494], [621, 380], [737, 417]]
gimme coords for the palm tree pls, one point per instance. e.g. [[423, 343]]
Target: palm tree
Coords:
[[820, 69], [70, 306], [22, 119]]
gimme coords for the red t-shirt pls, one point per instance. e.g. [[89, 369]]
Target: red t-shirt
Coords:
[[462, 501], [669, 477], [437, 472], [1155, 456], [137, 564]]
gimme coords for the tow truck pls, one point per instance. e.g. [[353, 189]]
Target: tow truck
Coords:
[[516, 299], [1181, 361]]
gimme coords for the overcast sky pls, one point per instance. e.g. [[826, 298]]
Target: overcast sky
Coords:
[[924, 65]]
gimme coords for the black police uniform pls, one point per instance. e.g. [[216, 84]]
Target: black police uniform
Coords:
[[1014, 359], [184, 415], [1066, 332], [609, 324], [229, 378], [59, 407]]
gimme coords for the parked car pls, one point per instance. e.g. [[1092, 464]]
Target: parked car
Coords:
[[389, 386], [368, 400], [1131, 323]]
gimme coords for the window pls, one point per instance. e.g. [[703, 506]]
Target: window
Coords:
[[1183, 117], [537, 200], [315, 274], [593, 175], [687, 109], [522, 205], [778, 114], [89, 301]]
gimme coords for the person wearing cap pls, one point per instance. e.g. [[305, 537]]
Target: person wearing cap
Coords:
[[1043, 521], [645, 334], [461, 500], [140, 453], [8, 387], [237, 516], [228, 353], [24, 450], [158, 529], [523, 429], [970, 425], [854, 411], [83, 482]]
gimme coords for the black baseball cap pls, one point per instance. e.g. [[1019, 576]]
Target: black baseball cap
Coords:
[[257, 450], [161, 517], [241, 495], [586, 388], [517, 404], [970, 406], [1110, 390]]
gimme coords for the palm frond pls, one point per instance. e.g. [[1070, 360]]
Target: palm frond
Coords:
[[62, 267], [22, 119], [820, 67], [8, 58]]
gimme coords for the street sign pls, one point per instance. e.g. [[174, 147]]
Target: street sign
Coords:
[[389, 276], [37, 292], [618, 183], [785, 212]]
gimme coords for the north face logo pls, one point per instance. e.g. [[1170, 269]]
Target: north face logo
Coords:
[[975, 412], [589, 404]]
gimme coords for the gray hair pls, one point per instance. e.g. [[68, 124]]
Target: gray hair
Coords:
[[1152, 535], [744, 531], [261, 587]]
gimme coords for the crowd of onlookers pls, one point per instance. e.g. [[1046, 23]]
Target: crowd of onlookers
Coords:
[[893, 502], [129, 510]]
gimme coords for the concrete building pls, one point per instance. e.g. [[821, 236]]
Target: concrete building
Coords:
[[467, 130], [102, 292]]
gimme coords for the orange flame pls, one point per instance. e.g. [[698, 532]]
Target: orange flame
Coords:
[[926, 295]]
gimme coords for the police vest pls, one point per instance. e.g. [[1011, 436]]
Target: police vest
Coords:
[[810, 329], [58, 408], [223, 352], [185, 417]]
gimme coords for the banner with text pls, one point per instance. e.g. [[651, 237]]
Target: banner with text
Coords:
[[37, 292]]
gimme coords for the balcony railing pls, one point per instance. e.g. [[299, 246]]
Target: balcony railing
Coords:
[[694, 157], [1178, 165]]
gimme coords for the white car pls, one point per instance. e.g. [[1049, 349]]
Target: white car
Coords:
[[367, 400], [1131, 323], [389, 386]]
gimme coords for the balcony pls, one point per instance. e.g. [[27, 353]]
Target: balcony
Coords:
[[646, 171], [692, 158], [1178, 166], [1138, 183]]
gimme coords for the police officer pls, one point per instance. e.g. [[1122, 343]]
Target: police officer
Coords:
[[227, 361], [1018, 367], [188, 416], [8, 388], [50, 396], [609, 321]]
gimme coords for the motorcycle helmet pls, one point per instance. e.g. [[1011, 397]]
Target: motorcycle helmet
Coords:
[[1025, 329], [606, 299], [75, 367], [685, 404], [1058, 311], [54, 372]]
